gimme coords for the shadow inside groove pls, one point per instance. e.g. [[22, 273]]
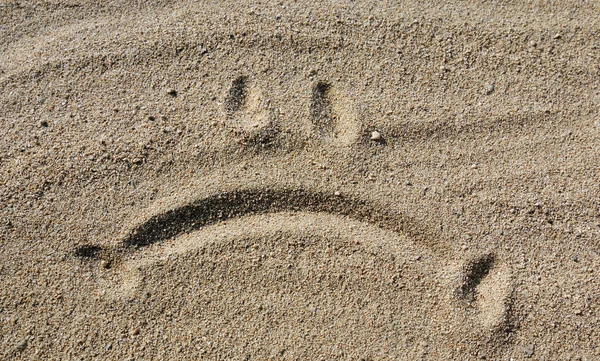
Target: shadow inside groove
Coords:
[[236, 98], [248, 202], [320, 109], [88, 251], [476, 271]]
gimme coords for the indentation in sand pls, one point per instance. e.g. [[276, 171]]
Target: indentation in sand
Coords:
[[223, 206], [245, 106], [333, 114], [261, 226], [484, 290]]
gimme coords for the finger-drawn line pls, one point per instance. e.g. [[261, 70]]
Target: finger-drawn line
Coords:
[[484, 290], [238, 203], [224, 206]]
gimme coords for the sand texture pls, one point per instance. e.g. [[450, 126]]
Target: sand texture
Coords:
[[299, 180]]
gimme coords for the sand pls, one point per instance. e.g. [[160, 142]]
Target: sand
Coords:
[[197, 180]]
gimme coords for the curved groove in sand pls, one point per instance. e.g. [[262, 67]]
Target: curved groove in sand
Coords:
[[224, 206], [490, 306], [274, 225], [249, 212]]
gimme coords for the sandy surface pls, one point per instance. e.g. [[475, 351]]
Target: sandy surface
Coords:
[[197, 180]]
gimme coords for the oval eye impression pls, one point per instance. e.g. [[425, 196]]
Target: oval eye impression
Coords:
[[237, 96], [246, 108], [321, 109], [333, 114], [487, 290]]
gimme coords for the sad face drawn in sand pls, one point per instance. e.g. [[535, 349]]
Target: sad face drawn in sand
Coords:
[[184, 181], [269, 258]]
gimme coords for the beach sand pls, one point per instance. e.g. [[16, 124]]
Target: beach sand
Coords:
[[299, 180]]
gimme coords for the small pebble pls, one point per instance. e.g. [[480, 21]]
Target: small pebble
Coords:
[[136, 331], [489, 89], [105, 264], [337, 193], [376, 136]]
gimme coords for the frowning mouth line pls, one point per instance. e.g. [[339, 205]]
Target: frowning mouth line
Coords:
[[220, 207], [228, 205]]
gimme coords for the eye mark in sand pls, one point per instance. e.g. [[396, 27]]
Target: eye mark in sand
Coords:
[[475, 272], [320, 109], [248, 113], [333, 114]]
